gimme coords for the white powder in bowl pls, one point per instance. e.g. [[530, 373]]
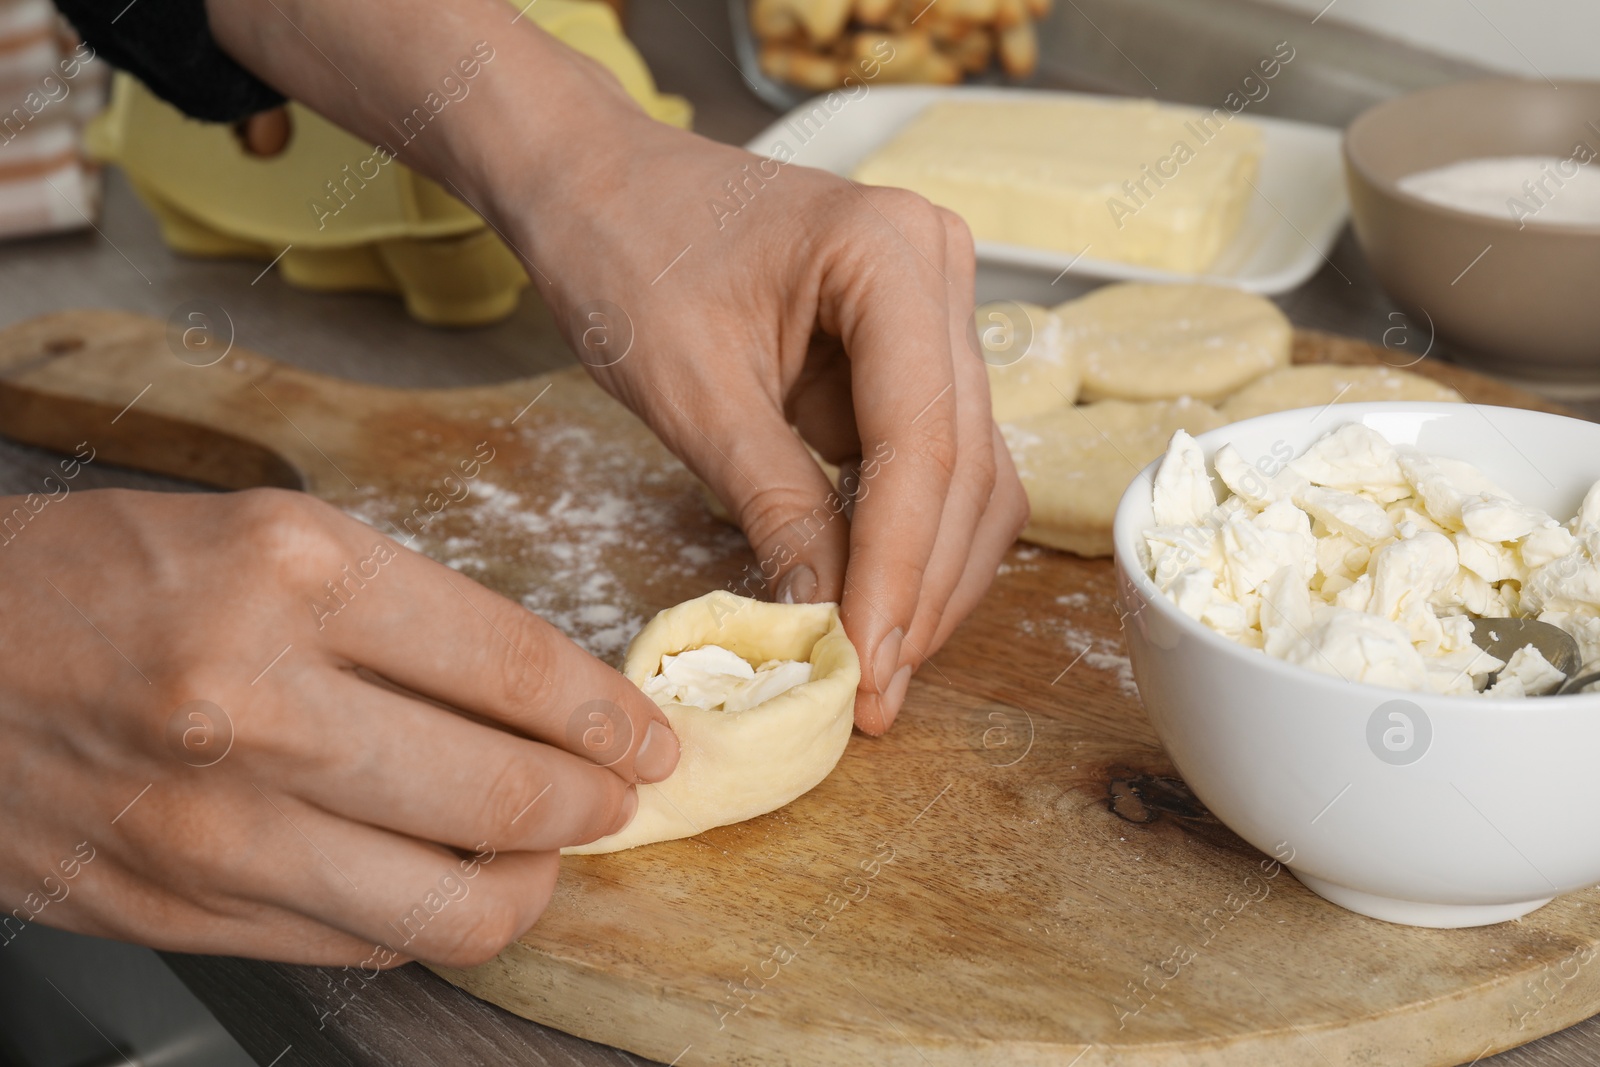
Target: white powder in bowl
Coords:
[[1538, 190]]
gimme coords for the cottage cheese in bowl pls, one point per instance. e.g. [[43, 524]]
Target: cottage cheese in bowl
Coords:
[[1295, 591], [1368, 561]]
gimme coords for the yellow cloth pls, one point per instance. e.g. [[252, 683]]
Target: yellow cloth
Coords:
[[351, 219]]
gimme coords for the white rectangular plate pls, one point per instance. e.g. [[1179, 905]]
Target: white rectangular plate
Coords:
[[1289, 227]]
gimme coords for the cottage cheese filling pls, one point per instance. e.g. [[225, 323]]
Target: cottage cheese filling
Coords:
[[714, 678], [1368, 561]]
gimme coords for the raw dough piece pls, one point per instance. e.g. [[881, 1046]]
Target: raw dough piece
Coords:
[[1076, 462], [1316, 384], [736, 765], [1141, 341], [1046, 376]]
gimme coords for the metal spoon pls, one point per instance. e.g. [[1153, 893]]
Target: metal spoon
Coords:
[[1578, 684], [1501, 637]]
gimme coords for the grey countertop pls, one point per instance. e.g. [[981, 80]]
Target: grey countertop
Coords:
[[408, 1016]]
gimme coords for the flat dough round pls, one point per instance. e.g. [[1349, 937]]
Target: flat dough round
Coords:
[[1316, 384], [1045, 376], [1140, 341], [1075, 463], [737, 765]]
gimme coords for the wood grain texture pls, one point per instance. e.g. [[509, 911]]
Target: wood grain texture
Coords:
[[1014, 874]]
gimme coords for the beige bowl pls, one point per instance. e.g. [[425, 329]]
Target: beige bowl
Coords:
[[1518, 302]]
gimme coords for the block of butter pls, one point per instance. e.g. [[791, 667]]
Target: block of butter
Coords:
[[1128, 180]]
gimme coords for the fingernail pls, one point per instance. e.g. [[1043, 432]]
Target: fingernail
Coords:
[[887, 659], [657, 755], [869, 713], [895, 695], [630, 805], [798, 586]]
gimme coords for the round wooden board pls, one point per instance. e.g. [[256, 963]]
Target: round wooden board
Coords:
[[1013, 875]]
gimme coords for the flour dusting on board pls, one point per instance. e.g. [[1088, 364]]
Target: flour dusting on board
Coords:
[[1101, 654], [1026, 557], [1082, 647], [563, 541], [1107, 655]]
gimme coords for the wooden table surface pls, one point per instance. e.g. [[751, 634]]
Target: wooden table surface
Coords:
[[408, 1016]]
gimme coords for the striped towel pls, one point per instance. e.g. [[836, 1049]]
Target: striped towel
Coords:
[[50, 85]]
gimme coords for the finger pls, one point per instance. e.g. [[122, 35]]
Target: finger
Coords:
[[410, 767], [512, 889], [973, 482], [381, 888], [431, 630], [421, 901], [115, 902], [249, 841], [895, 324], [1003, 518], [791, 514]]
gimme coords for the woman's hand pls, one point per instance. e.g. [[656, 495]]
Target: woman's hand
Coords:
[[225, 732], [803, 299]]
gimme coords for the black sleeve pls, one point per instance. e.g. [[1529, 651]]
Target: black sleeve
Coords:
[[167, 44]]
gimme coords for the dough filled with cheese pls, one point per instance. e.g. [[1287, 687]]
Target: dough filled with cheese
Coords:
[[762, 698]]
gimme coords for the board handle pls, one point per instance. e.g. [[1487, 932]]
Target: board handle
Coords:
[[147, 394]]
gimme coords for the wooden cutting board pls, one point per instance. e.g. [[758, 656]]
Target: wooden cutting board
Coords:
[[1013, 875]]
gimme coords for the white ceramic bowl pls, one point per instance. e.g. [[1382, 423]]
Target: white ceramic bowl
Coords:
[[1411, 807]]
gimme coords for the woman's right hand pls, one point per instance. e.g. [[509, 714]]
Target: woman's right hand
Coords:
[[248, 724]]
